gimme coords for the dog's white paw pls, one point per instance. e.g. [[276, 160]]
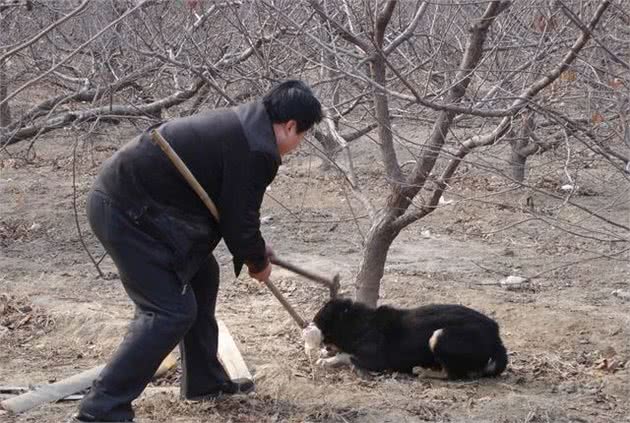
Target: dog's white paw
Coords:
[[325, 361], [429, 373], [338, 360]]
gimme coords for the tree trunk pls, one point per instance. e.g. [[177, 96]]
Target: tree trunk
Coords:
[[5, 110], [522, 148], [330, 148], [517, 163], [383, 118], [372, 267]]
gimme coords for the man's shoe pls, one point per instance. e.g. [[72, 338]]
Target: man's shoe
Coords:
[[238, 386], [83, 418], [233, 387]]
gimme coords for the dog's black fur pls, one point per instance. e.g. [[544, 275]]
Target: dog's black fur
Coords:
[[387, 338]]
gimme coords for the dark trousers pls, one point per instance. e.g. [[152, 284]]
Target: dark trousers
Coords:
[[165, 316]]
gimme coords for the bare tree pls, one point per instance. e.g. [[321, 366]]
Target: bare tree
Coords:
[[134, 60], [435, 85], [514, 66]]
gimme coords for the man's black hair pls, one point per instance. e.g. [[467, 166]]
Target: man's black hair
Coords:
[[293, 100]]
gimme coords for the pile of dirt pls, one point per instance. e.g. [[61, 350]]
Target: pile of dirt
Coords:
[[20, 320], [15, 230]]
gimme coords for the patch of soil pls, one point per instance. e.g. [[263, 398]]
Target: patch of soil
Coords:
[[567, 335]]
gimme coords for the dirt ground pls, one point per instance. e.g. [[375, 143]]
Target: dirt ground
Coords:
[[568, 336]]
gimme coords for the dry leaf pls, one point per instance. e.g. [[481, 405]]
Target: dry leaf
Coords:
[[192, 4], [568, 76], [24, 321], [542, 23], [616, 83], [607, 365], [597, 118]]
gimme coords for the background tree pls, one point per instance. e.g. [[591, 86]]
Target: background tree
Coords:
[[447, 91]]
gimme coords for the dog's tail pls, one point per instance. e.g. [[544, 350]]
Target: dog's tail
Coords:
[[497, 362]]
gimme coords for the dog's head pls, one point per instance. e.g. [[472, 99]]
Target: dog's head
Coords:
[[332, 320]]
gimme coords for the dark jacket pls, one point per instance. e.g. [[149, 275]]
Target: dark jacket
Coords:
[[234, 156]]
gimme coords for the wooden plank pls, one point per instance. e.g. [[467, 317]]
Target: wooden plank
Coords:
[[228, 353], [53, 392], [65, 388], [230, 356], [168, 363]]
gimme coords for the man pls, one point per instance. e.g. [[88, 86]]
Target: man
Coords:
[[161, 236]]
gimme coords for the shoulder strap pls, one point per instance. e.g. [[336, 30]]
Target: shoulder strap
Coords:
[[185, 172]]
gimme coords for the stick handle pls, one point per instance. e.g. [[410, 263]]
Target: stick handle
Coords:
[[301, 323], [185, 172], [302, 272], [333, 284]]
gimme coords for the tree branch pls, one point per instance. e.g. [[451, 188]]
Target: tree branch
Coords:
[[65, 119], [470, 60], [74, 53], [343, 32], [44, 31], [504, 126], [408, 32]]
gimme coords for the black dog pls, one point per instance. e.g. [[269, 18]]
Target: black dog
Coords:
[[459, 342]]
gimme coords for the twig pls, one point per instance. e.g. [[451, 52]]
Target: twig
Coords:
[[355, 219], [74, 207]]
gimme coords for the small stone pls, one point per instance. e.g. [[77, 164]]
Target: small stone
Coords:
[[514, 283], [266, 219], [621, 293], [508, 252]]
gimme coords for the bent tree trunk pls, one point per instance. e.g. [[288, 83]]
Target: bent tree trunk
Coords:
[[372, 267]]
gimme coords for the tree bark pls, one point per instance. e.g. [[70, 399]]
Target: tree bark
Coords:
[[372, 267], [518, 164], [521, 148], [5, 110], [385, 137]]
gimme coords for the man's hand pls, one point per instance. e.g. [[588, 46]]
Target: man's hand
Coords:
[[263, 275]]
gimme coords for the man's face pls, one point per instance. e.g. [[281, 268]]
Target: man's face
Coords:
[[287, 136]]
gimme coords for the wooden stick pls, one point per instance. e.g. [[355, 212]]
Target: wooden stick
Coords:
[[185, 172], [53, 392], [301, 323], [332, 284]]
